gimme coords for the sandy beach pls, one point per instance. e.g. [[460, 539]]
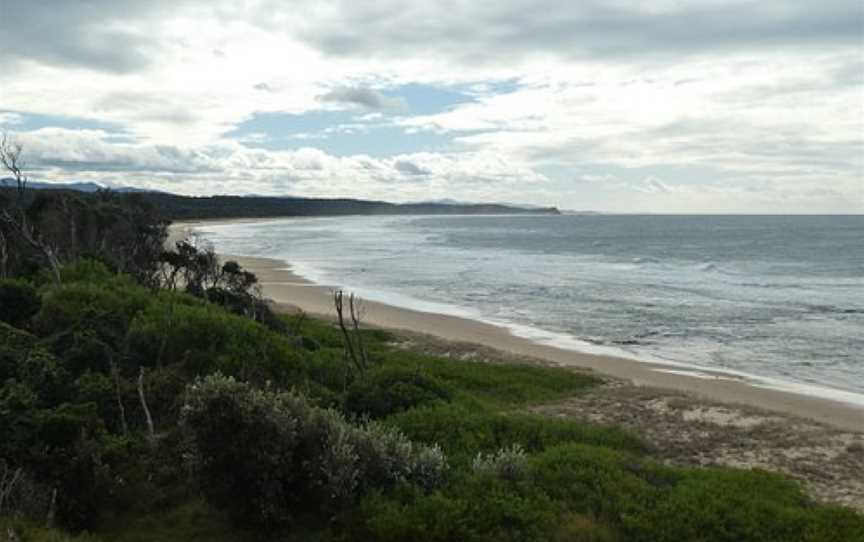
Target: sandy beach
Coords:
[[707, 418], [291, 291]]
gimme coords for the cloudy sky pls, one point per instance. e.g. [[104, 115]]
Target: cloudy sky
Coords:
[[662, 106]]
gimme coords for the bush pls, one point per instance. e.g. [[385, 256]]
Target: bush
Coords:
[[597, 481], [245, 442], [19, 302], [499, 384], [735, 505], [473, 508], [465, 428], [264, 454], [387, 391], [206, 339], [14, 345], [507, 463], [86, 270], [105, 309]]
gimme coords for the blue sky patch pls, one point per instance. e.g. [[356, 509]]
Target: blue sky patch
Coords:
[[35, 121], [341, 133]]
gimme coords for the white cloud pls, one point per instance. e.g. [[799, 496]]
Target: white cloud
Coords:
[[230, 167]]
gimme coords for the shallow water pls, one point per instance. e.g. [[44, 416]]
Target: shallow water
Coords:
[[775, 297]]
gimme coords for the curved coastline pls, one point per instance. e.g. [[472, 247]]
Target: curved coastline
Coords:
[[291, 291]]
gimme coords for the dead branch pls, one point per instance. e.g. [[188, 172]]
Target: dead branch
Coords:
[[10, 159], [4, 255], [9, 479], [150, 430], [355, 350], [338, 303], [356, 310]]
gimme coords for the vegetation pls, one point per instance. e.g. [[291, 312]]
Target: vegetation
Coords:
[[184, 207], [158, 399]]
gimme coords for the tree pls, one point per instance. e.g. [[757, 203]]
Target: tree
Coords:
[[355, 350], [125, 232], [14, 215]]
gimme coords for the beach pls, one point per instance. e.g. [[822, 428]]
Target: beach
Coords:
[[290, 292], [689, 417]]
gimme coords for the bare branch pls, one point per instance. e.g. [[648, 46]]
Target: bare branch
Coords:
[[11, 160], [354, 347], [151, 433], [356, 308]]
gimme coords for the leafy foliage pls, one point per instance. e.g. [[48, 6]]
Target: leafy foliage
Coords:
[[390, 390], [19, 302], [263, 455]]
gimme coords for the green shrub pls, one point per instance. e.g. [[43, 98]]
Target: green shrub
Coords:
[[595, 480], [474, 508], [389, 390], [465, 428], [19, 302], [831, 523], [731, 505], [105, 309], [509, 463], [206, 339], [245, 442], [15, 345], [86, 270], [263, 455], [499, 384]]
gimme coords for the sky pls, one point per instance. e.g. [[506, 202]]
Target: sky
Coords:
[[674, 106]]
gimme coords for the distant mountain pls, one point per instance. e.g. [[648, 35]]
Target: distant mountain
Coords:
[[449, 201], [82, 186], [78, 187], [583, 213]]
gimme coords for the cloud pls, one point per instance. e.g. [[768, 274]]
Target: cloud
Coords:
[[58, 154], [480, 33], [409, 168], [363, 97], [92, 35]]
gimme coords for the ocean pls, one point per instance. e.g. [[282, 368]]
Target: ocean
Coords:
[[779, 299]]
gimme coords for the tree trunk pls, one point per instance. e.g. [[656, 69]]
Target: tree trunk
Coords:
[[150, 430]]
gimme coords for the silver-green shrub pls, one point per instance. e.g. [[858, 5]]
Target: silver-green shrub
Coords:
[[275, 451], [509, 463]]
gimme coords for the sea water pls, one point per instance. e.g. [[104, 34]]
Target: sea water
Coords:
[[776, 298]]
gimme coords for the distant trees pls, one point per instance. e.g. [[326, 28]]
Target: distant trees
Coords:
[[49, 228]]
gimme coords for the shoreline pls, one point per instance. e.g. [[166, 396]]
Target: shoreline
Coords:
[[291, 292]]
